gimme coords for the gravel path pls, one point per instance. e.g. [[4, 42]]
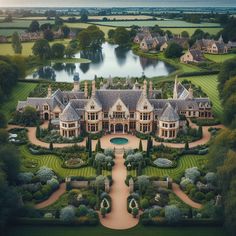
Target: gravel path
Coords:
[[53, 198], [119, 218]]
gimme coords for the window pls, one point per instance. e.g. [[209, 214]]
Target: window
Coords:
[[172, 125], [131, 115], [92, 116], [145, 107], [105, 114], [71, 125], [56, 115], [45, 107], [92, 107]]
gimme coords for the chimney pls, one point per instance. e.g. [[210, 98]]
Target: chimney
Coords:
[[85, 89], [76, 82], [190, 90], [175, 92], [150, 89], [49, 91], [145, 87], [93, 88]]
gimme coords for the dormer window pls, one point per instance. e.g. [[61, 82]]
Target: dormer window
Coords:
[[92, 107], [45, 107], [145, 107]]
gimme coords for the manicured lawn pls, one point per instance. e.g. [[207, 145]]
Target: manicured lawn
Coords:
[[184, 163], [101, 231], [192, 30], [54, 162], [161, 23], [19, 92], [220, 58], [6, 48], [208, 83]]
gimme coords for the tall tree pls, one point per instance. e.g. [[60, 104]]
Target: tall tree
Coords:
[[42, 49], [121, 36], [58, 50], [34, 26], [16, 43]]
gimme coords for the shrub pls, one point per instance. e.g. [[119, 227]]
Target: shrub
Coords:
[[135, 212], [44, 174], [211, 177], [144, 203], [54, 183], [163, 162], [192, 173], [82, 211], [25, 177], [172, 214], [103, 211], [199, 196], [38, 195], [67, 214], [184, 182], [109, 152], [154, 212]]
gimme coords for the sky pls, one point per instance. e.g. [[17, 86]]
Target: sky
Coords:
[[117, 3]]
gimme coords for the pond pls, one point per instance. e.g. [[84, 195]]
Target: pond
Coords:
[[119, 141], [110, 61]]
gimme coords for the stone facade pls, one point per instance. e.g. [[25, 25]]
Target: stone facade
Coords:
[[119, 111]]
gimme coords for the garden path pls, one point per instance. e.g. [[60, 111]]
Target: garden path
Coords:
[[119, 218], [179, 193], [53, 198]]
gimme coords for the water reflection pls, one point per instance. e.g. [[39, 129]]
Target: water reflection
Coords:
[[108, 61]]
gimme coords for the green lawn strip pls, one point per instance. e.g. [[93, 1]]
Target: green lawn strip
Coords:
[[183, 163], [209, 83], [102, 231], [54, 162], [71, 60], [19, 92], [220, 58]]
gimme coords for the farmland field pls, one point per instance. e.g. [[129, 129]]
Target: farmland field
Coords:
[[19, 92], [208, 83], [161, 23], [105, 29], [54, 162], [22, 23], [220, 58], [9, 32], [192, 30], [183, 163], [121, 17], [6, 48]]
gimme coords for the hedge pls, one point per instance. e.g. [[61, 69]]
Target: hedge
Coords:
[[198, 73]]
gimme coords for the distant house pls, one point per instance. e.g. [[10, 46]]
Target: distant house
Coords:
[[3, 39], [30, 36], [212, 46], [148, 44], [183, 42], [231, 45], [58, 34], [192, 55]]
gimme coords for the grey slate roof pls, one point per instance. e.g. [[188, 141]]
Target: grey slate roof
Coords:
[[69, 114], [169, 114], [129, 97]]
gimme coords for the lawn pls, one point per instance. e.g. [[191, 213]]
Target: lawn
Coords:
[[105, 29], [22, 23], [184, 163], [208, 83], [9, 32], [192, 30], [161, 23], [54, 162], [220, 58], [6, 48], [102, 231], [19, 92]]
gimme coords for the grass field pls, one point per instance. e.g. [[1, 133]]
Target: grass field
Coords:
[[19, 92], [105, 29], [208, 83], [9, 32], [22, 23], [102, 231], [54, 162], [6, 48], [192, 30], [184, 163], [220, 58], [121, 17], [161, 23]]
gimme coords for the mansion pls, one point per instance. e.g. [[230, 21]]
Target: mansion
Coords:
[[135, 109]]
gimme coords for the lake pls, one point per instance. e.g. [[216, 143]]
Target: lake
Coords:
[[110, 61]]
